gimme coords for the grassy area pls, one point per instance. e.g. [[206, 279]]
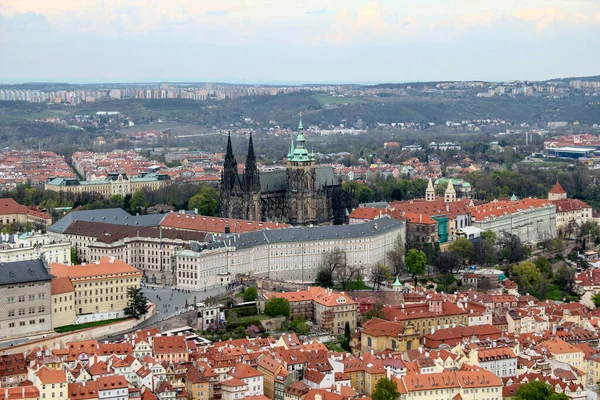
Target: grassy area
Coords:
[[252, 318], [71, 328], [323, 99], [354, 286], [334, 347], [555, 293], [238, 295], [32, 116]]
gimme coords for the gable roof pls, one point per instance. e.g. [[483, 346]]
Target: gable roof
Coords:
[[106, 266], [557, 189]]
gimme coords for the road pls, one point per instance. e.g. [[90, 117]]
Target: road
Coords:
[[170, 300]]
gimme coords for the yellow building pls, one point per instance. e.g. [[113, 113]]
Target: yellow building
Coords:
[[329, 309], [379, 335], [51, 384], [364, 372], [63, 302], [271, 369], [100, 287], [197, 384], [115, 184], [564, 352], [12, 212]]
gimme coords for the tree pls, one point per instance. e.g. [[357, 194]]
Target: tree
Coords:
[[250, 294], [385, 389], [447, 262], [483, 252], [252, 331], [534, 390], [335, 269], [73, 255], [138, 200], [463, 247], [136, 303], [489, 237], [544, 265], [512, 249], [376, 311], [396, 255], [531, 280], [299, 325], [596, 299], [380, 275], [205, 202], [565, 278], [277, 306], [416, 263]]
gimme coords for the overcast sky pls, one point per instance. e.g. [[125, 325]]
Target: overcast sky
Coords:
[[297, 41]]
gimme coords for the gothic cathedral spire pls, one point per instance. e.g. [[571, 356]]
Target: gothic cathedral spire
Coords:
[[251, 177], [229, 174]]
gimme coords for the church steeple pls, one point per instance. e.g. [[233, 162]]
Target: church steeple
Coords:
[[299, 153], [450, 194], [251, 176], [430, 192], [229, 173]]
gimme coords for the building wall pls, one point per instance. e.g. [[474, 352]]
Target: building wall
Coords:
[[531, 226], [292, 261], [51, 253], [25, 310], [63, 309], [103, 294]]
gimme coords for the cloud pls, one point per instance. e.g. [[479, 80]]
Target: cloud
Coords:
[[542, 17], [319, 11], [217, 13]]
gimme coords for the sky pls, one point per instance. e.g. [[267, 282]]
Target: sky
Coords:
[[297, 41]]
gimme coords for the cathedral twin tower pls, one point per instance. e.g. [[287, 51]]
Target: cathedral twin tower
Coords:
[[300, 194]]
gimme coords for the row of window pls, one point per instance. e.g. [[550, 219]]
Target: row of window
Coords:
[[23, 323], [22, 298], [21, 311]]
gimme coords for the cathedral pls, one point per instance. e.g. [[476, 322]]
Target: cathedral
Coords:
[[300, 194]]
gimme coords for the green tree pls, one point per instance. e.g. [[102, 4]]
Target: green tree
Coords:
[[250, 294], [376, 311], [205, 201], [565, 278], [544, 265], [73, 255], [138, 200], [512, 249], [299, 325], [380, 275], [596, 299], [385, 389], [277, 306], [538, 390], [416, 263], [463, 247], [136, 303], [490, 237], [531, 280]]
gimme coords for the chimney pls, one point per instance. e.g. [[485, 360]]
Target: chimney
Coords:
[[195, 211], [227, 228], [420, 218]]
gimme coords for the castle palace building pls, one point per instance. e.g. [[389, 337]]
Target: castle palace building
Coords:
[[301, 194]]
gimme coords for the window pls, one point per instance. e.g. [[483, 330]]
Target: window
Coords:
[[11, 300], [11, 313], [21, 299]]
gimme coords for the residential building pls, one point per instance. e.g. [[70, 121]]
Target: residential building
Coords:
[[197, 384], [12, 212], [13, 370], [25, 297], [63, 302], [170, 349], [500, 361], [293, 254], [271, 369], [113, 387], [474, 383], [52, 384], [250, 376], [329, 309], [100, 288], [234, 389], [562, 351]]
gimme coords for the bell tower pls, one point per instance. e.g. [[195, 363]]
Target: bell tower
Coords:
[[430, 192], [301, 181]]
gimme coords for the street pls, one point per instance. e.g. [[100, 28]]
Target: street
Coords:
[[170, 300]]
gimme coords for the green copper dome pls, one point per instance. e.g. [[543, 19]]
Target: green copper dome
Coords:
[[299, 153]]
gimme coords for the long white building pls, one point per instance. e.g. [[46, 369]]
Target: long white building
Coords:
[[293, 254]]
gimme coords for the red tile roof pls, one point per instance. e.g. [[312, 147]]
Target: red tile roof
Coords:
[[557, 189], [216, 224], [61, 285]]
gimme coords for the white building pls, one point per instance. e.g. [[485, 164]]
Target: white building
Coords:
[[33, 246], [293, 254]]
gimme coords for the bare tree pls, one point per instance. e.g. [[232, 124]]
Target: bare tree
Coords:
[[380, 275], [335, 270], [396, 255]]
